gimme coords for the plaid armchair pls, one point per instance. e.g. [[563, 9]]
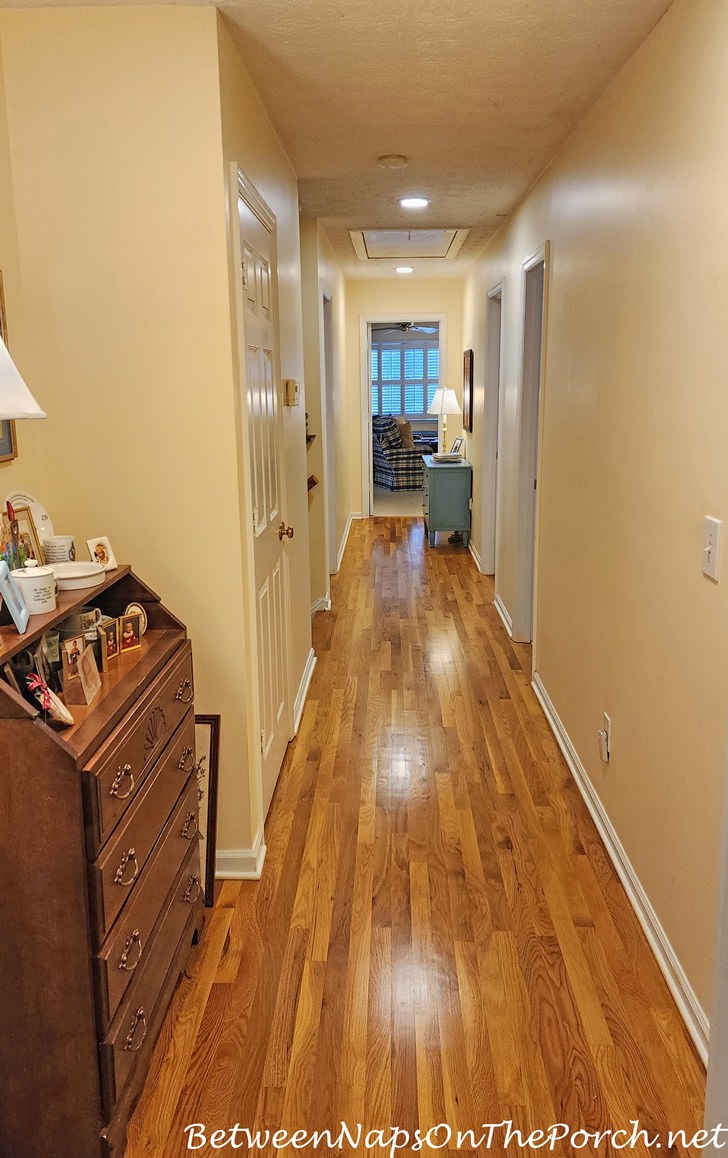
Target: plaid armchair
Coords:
[[395, 467]]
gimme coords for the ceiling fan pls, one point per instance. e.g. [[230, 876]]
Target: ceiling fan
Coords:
[[405, 327]]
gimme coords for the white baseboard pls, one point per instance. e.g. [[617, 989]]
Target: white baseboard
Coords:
[[476, 555], [685, 997], [303, 690], [504, 614], [242, 864], [321, 604], [345, 537]]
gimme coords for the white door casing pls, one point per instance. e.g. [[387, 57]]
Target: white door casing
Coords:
[[491, 419], [261, 368], [534, 298]]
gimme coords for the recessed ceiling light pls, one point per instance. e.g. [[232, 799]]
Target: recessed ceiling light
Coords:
[[404, 269], [393, 161], [414, 202]]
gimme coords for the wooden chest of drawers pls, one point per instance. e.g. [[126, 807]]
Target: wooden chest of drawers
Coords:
[[100, 895]]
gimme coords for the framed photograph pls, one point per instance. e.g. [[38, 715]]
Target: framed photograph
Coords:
[[88, 674], [108, 634], [130, 632], [28, 538], [71, 653], [207, 745], [457, 446], [101, 552], [8, 444], [8, 441], [468, 391]]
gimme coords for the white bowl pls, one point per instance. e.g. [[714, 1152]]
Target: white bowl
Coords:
[[76, 576]]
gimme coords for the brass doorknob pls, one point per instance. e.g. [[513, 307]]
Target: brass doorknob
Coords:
[[284, 530]]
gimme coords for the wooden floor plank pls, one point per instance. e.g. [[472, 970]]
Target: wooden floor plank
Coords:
[[438, 935]]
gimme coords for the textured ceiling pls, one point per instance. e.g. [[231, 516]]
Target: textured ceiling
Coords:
[[478, 94]]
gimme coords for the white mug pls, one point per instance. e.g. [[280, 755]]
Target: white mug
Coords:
[[59, 549], [86, 619], [38, 588]]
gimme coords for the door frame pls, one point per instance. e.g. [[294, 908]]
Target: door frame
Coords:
[[530, 451], [365, 323], [491, 430], [328, 444], [240, 186]]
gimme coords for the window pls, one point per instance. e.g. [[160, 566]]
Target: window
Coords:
[[405, 376]]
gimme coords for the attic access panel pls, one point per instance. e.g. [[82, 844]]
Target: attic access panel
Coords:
[[406, 244]]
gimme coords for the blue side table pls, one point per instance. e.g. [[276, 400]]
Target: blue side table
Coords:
[[446, 490]]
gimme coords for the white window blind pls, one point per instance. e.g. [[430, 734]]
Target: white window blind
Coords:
[[405, 376]]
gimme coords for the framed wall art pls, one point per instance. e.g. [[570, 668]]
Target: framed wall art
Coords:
[[468, 391], [8, 441], [207, 746]]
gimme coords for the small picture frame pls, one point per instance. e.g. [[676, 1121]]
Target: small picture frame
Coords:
[[207, 747], [457, 446], [130, 632], [101, 551], [88, 674], [72, 650], [108, 634], [29, 546]]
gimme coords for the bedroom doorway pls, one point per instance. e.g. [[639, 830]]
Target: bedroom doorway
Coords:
[[403, 374]]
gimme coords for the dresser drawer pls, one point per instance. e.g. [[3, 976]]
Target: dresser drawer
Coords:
[[136, 1016], [131, 939], [117, 772], [115, 875]]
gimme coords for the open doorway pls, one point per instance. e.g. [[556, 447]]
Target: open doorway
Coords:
[[404, 373], [329, 436], [535, 283], [491, 437]]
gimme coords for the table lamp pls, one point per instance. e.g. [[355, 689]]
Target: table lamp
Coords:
[[445, 402], [16, 400]]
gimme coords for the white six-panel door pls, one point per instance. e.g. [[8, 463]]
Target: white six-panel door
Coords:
[[257, 244]]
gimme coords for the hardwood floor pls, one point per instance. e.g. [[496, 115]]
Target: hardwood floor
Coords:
[[438, 935]]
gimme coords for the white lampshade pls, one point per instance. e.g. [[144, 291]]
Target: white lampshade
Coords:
[[16, 400], [444, 402]]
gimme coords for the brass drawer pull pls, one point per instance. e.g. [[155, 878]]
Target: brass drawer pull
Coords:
[[124, 770], [184, 693], [134, 939], [190, 819], [128, 857], [193, 884], [139, 1019], [187, 754]]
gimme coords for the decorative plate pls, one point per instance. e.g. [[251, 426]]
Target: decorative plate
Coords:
[[137, 609], [41, 518]]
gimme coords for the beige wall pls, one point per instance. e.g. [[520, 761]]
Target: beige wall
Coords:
[[402, 299], [118, 293], [635, 411]]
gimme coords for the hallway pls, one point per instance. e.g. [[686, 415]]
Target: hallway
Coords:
[[438, 935]]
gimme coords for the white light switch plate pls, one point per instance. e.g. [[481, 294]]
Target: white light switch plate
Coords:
[[711, 546]]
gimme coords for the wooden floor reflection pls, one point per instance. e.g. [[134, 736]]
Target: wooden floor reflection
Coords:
[[438, 935]]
